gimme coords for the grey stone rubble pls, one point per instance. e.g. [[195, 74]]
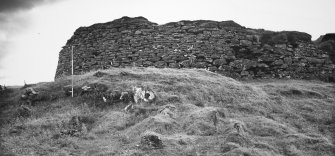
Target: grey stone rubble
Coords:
[[30, 96], [224, 47]]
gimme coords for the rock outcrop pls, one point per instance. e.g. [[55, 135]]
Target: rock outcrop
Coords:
[[224, 47]]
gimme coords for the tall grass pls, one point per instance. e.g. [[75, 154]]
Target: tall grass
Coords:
[[276, 117]]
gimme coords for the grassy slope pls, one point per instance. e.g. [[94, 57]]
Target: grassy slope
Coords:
[[277, 117]]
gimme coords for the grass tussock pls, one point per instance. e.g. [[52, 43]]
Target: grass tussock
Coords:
[[196, 113]]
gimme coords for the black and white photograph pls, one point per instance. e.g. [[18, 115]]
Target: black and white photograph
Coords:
[[167, 78]]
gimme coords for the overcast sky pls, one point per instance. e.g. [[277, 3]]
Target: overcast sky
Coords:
[[32, 32]]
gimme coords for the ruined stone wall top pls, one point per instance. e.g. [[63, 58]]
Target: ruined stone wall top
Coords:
[[224, 47]]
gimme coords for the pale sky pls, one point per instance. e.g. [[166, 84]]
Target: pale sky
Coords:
[[32, 32]]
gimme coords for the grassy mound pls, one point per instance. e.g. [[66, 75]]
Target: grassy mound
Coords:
[[196, 112]]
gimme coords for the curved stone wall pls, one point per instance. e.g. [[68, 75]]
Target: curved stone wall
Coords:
[[224, 47]]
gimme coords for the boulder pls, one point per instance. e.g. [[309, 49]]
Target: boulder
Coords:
[[114, 96], [68, 89], [24, 111], [126, 97], [168, 110], [98, 87], [99, 74], [144, 95], [29, 96], [151, 141]]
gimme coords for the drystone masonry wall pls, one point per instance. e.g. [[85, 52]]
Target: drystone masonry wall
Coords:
[[224, 47]]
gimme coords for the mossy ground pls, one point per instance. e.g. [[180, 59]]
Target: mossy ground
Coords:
[[276, 117]]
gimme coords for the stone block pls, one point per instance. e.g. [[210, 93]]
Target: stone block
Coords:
[[315, 60], [215, 56], [173, 65], [284, 66], [160, 64], [154, 59], [200, 65], [278, 62], [245, 43], [212, 69], [281, 46], [288, 60], [262, 65], [219, 62], [185, 63], [244, 73], [138, 32]]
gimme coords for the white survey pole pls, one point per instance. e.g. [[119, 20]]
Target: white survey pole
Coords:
[[72, 69]]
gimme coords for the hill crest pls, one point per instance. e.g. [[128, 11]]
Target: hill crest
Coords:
[[197, 112]]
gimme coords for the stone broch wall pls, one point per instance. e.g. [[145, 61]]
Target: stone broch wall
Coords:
[[223, 47]]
